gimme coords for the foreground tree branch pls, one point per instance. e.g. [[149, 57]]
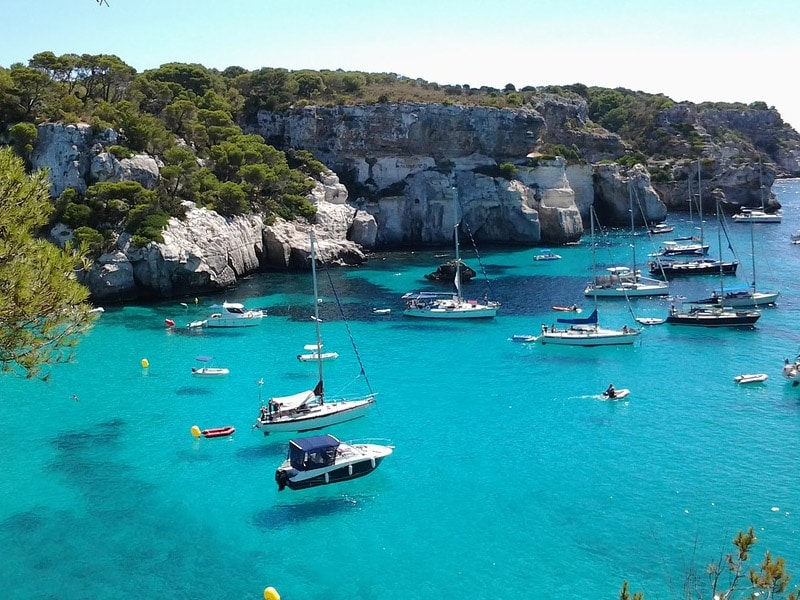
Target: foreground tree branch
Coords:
[[43, 308]]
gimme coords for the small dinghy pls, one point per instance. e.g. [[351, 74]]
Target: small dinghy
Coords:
[[213, 432], [206, 371], [618, 394], [650, 320], [751, 378], [523, 338], [573, 308], [381, 311]]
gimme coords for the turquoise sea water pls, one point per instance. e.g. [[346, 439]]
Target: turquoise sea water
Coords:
[[510, 477]]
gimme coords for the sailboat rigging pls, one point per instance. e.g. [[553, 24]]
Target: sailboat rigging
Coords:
[[586, 331], [713, 316], [437, 305], [311, 409], [670, 266], [624, 282]]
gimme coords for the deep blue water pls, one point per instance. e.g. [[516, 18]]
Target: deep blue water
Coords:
[[510, 477]]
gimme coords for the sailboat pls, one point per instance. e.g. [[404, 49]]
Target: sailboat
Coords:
[[742, 296], [668, 266], [438, 305], [311, 409], [713, 316], [624, 282], [586, 331]]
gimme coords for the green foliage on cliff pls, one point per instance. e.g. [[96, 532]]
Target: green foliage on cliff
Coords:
[[185, 114], [191, 117]]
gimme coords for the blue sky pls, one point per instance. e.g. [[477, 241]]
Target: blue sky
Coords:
[[697, 50]]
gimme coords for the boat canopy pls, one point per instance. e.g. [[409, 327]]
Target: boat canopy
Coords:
[[313, 452], [590, 320]]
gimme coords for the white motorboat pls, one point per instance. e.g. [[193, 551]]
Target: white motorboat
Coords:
[[751, 378], [795, 237], [207, 371], [546, 254], [660, 228], [234, 314], [311, 409], [323, 459], [437, 305]]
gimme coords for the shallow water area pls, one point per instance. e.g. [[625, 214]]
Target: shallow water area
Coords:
[[511, 476]]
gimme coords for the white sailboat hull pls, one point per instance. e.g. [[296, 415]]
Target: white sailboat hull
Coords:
[[627, 290], [455, 310], [316, 417], [589, 336]]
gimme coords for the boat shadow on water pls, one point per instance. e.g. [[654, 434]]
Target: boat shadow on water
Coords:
[[315, 504]]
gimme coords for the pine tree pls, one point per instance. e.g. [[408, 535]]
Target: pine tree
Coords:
[[43, 307]]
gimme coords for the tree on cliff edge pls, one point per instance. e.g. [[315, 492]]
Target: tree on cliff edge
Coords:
[[43, 308]]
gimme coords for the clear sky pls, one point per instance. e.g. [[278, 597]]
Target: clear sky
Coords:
[[696, 50]]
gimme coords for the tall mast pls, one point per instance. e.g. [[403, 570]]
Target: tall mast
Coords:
[[316, 307], [633, 230], [700, 202], [455, 236], [594, 258]]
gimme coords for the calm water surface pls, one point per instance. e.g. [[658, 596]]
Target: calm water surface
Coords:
[[510, 477]]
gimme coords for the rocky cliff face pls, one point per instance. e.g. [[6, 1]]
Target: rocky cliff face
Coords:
[[409, 164]]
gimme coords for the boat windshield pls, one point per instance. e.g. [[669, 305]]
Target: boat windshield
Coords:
[[313, 452]]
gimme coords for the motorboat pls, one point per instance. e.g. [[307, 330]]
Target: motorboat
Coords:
[[311, 409], [208, 371], [795, 237], [546, 254], [756, 215], [323, 459], [234, 314], [715, 316], [661, 228], [751, 378], [685, 248], [437, 305], [381, 311], [314, 353]]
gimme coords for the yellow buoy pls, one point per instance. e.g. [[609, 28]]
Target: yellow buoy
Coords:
[[195, 431], [145, 363], [271, 593]]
